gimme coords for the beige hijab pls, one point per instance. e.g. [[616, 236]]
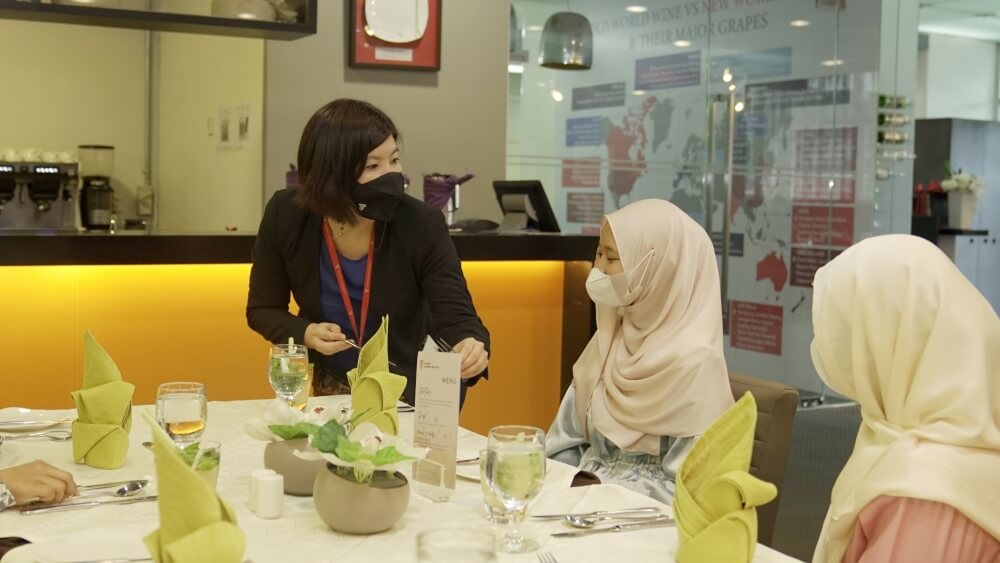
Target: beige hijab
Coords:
[[655, 367], [901, 331]]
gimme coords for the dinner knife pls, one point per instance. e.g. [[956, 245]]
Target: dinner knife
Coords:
[[644, 510], [91, 504], [616, 528]]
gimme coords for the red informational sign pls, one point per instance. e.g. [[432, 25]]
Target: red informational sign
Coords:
[[586, 208], [581, 172], [755, 327], [818, 224], [805, 262], [827, 160]]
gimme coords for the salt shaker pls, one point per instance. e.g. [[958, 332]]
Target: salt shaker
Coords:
[[254, 481], [270, 496]]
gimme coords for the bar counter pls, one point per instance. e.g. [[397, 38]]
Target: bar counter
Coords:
[[171, 308], [126, 248]]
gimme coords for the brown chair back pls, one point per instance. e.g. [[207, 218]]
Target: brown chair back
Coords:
[[776, 406]]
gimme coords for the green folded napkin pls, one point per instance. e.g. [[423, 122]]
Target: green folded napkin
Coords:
[[716, 498], [104, 410], [374, 390], [195, 524]]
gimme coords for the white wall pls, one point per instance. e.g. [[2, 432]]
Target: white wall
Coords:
[[961, 79], [452, 121], [205, 185], [67, 85]]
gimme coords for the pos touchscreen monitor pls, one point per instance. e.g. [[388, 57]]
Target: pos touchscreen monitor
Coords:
[[525, 207]]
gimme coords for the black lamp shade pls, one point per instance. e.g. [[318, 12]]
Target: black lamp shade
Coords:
[[567, 42]]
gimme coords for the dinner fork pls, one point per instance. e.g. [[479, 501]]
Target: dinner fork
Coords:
[[546, 557], [443, 345]]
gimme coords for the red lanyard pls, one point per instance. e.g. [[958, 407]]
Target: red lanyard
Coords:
[[339, 272]]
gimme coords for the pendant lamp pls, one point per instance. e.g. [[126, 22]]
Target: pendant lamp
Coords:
[[567, 42]]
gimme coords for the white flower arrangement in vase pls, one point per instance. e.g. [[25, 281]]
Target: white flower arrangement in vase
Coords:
[[959, 181], [963, 193]]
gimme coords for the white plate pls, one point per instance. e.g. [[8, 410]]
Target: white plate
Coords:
[[396, 21], [37, 419], [469, 472]]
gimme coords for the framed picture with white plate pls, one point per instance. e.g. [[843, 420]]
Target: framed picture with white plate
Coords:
[[395, 34]]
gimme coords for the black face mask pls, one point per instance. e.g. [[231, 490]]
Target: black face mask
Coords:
[[378, 198]]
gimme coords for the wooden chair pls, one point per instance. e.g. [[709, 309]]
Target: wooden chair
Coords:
[[776, 406]]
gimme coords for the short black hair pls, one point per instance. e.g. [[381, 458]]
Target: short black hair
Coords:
[[332, 154]]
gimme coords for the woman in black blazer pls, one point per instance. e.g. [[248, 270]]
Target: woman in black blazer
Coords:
[[350, 247]]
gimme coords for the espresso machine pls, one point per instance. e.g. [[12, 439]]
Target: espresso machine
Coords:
[[97, 197], [37, 196]]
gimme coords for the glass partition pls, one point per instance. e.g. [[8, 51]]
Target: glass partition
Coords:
[[755, 117]]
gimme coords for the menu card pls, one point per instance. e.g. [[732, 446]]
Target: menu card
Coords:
[[436, 422]]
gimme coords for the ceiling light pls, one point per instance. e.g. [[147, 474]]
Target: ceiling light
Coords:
[[557, 95], [635, 9], [567, 42], [682, 43], [739, 106], [732, 87], [638, 92], [515, 69], [799, 23], [832, 62], [534, 28], [727, 76]]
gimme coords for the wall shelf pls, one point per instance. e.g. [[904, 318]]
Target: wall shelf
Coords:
[[162, 21]]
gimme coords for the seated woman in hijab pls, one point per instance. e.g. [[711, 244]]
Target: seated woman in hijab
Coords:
[[901, 331], [653, 377]]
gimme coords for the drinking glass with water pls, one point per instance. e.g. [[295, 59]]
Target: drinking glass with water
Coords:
[[288, 370], [515, 469], [182, 410]]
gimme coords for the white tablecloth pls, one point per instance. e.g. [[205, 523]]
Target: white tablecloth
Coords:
[[300, 535]]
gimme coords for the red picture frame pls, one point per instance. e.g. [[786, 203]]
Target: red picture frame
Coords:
[[366, 51]]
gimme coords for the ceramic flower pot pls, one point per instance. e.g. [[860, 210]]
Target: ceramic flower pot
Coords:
[[299, 474], [353, 508], [961, 209]]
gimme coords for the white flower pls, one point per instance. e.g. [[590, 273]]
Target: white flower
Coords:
[[282, 414], [372, 440], [949, 185]]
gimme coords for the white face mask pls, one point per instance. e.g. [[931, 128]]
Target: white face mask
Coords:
[[602, 288], [614, 290]]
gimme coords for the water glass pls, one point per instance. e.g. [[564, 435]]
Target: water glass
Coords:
[[456, 545], [182, 410], [288, 370], [204, 457], [515, 471], [302, 397], [495, 510]]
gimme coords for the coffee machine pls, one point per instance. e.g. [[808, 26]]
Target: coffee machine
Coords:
[[97, 197], [37, 196]]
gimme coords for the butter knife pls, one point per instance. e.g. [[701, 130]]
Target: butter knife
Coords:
[[91, 504], [616, 528]]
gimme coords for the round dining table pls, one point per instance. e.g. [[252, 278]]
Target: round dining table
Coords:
[[299, 535]]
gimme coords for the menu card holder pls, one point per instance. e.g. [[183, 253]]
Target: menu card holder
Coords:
[[436, 423]]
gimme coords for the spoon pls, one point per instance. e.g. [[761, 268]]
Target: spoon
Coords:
[[587, 523], [126, 490], [56, 435]]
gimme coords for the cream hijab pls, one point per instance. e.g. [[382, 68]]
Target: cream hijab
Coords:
[[655, 367], [901, 331]]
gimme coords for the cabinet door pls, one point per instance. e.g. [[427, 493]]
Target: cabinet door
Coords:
[[967, 257], [988, 269]]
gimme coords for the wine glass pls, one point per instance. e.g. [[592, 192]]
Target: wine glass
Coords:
[[182, 410], [515, 469], [288, 370]]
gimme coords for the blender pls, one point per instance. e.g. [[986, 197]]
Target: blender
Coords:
[[96, 195]]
